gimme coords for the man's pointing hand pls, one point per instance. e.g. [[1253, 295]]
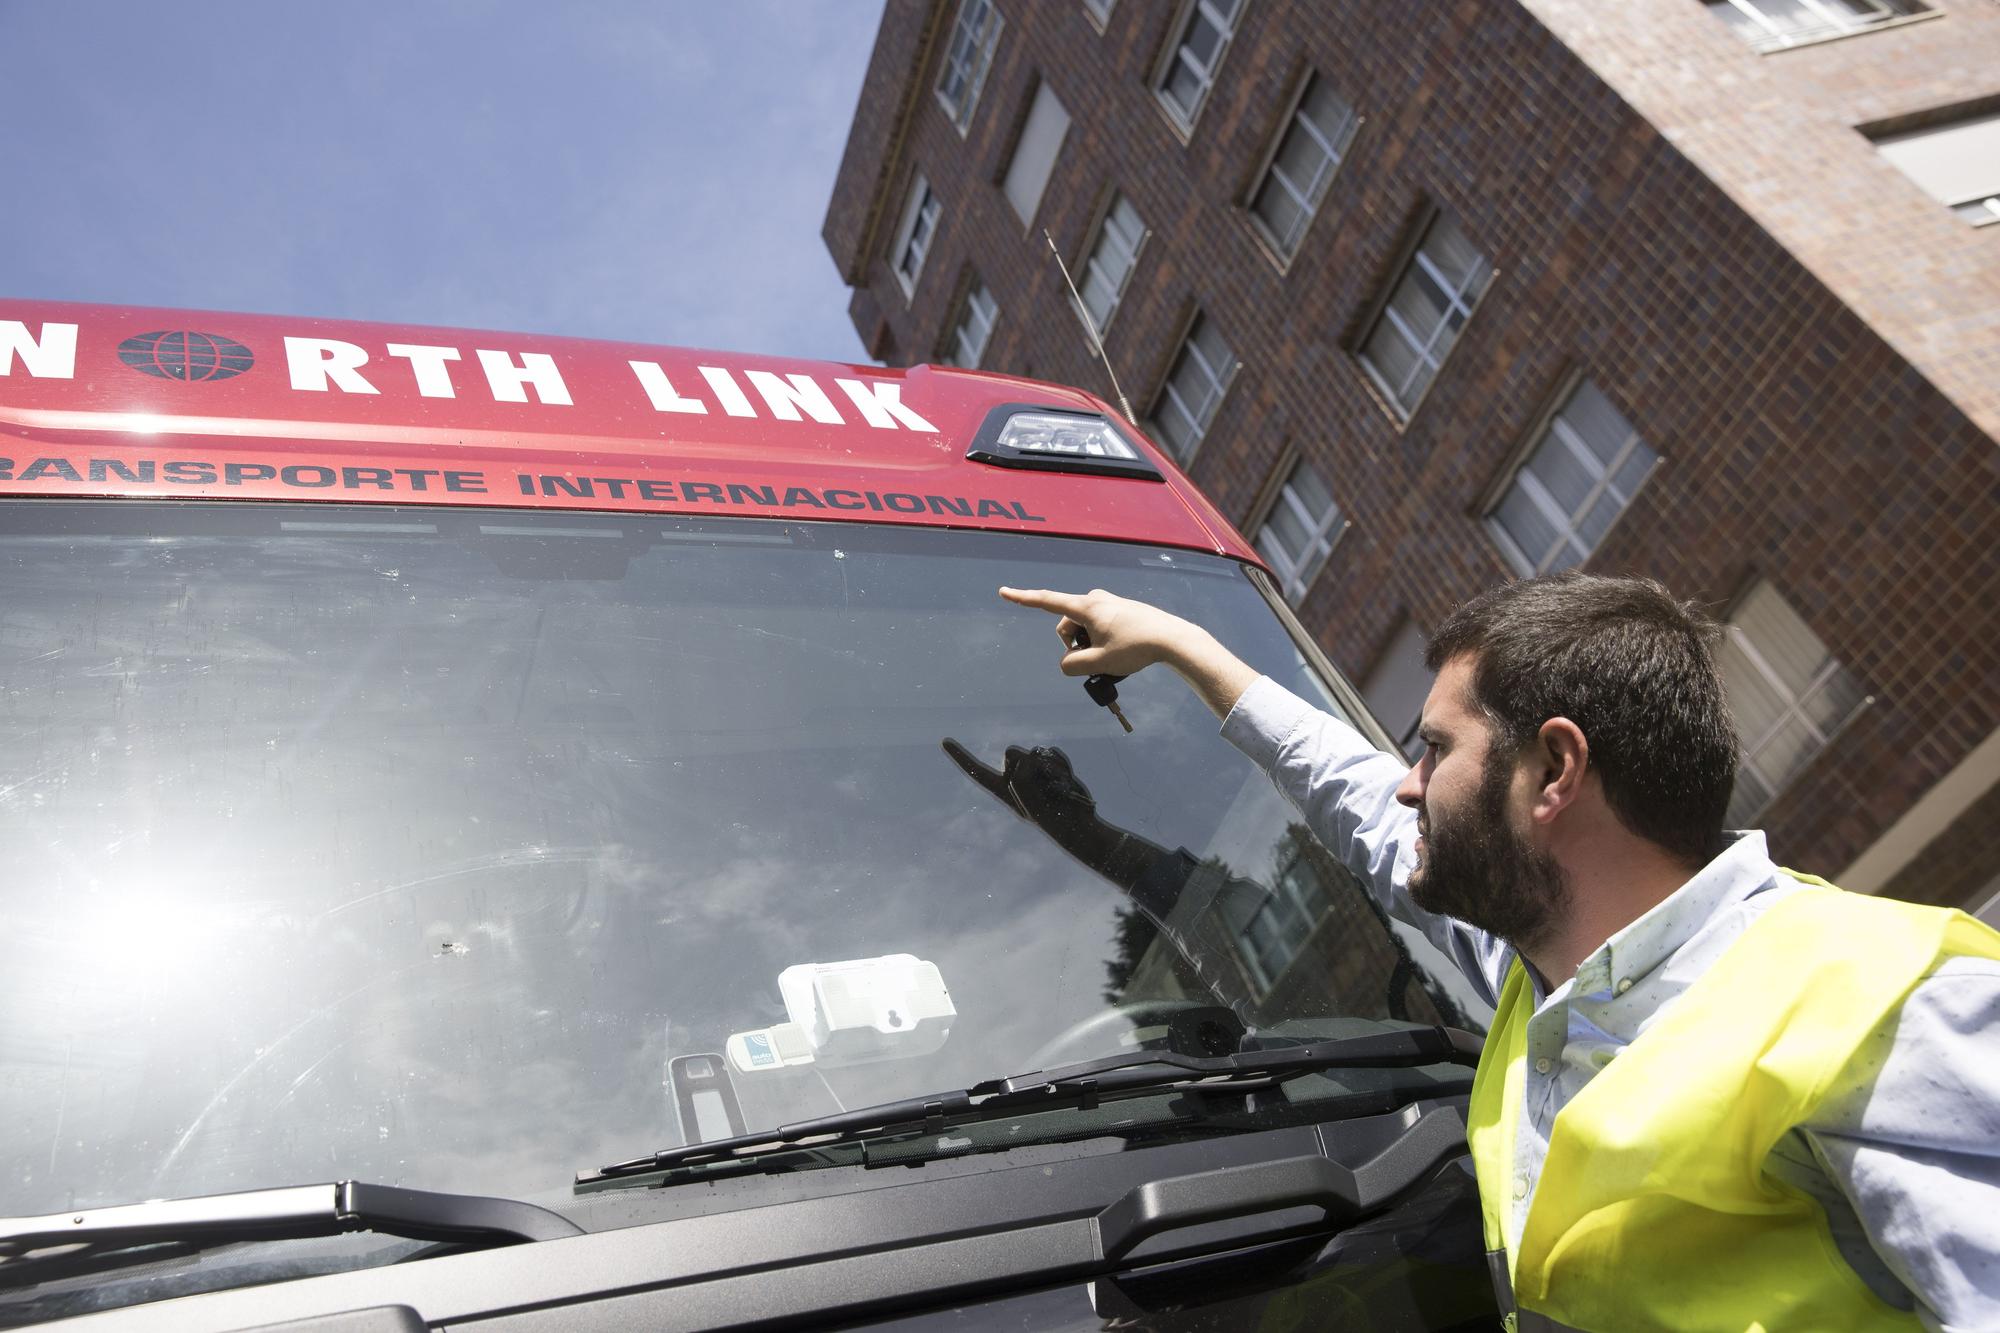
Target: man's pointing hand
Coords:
[[1127, 636]]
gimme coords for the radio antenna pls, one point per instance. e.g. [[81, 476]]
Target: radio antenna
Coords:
[[1089, 325]]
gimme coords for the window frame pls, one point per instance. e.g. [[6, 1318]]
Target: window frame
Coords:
[[967, 307], [1190, 11], [1407, 259], [1833, 25], [914, 214], [1267, 170], [1218, 395], [1040, 90], [1825, 674], [978, 66], [1099, 12], [1295, 577], [1518, 473], [1281, 900], [1094, 242]]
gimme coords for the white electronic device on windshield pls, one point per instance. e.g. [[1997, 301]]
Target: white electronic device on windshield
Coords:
[[851, 1013]]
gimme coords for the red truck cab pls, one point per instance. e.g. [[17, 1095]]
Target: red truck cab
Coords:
[[508, 826]]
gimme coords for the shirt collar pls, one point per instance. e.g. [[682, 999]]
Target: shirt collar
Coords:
[[1741, 869]]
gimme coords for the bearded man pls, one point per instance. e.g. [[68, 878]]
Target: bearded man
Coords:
[[1716, 1093]]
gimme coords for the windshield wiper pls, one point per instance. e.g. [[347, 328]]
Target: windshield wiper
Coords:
[[287, 1213], [1082, 1086]]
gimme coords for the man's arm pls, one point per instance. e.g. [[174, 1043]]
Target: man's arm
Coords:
[[1343, 786], [1913, 1142]]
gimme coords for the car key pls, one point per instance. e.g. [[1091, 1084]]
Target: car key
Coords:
[[1102, 689]]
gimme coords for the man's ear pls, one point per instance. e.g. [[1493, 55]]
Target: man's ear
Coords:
[[1562, 754]]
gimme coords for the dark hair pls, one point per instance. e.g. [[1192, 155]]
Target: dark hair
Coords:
[[1633, 668]]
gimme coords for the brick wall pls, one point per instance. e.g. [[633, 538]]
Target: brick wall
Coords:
[[1797, 443]]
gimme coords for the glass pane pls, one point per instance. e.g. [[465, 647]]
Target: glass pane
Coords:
[[1182, 88], [1208, 338], [1786, 750], [1281, 213], [1634, 469], [1750, 795], [1304, 162], [1834, 701], [1098, 294], [1312, 492], [1420, 304], [1596, 422], [574, 813], [1788, 645], [1446, 247], [1756, 703], [1563, 475], [1287, 525], [1592, 527], [1524, 521], [1203, 40], [1329, 114], [1123, 228], [1391, 355]]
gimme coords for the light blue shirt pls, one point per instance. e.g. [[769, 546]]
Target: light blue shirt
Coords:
[[1907, 1169]]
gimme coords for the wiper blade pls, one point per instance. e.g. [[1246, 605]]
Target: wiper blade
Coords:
[[1082, 1085], [289, 1212]]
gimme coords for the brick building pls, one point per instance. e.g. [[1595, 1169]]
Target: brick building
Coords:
[[1427, 295]]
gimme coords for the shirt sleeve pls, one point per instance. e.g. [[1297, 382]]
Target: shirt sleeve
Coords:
[[1915, 1146], [1346, 790]]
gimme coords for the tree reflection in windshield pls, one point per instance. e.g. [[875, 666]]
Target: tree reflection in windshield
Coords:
[[414, 845]]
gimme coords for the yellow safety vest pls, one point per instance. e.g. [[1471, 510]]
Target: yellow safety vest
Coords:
[[1653, 1210]]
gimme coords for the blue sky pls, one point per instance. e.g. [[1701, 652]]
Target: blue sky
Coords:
[[653, 170]]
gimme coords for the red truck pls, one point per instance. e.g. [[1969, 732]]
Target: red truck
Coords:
[[521, 828]]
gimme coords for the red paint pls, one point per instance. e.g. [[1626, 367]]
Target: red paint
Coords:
[[96, 432]]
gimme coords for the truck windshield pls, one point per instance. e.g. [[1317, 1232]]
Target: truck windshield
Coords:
[[457, 849]]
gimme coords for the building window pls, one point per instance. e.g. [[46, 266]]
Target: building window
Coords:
[[1189, 72], [1772, 25], [1109, 265], [1397, 687], [1431, 302], [1957, 161], [1580, 477], [966, 59], [1278, 930], [1789, 694], [1035, 155], [1298, 534], [1099, 11], [1194, 388], [974, 328], [914, 234], [1295, 182]]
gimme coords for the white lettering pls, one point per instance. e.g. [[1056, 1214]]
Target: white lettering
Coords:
[[49, 357], [726, 392], [536, 368], [785, 400], [654, 381], [882, 400], [314, 361], [433, 380]]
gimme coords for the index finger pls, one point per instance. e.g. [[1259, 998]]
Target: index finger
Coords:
[[1042, 599]]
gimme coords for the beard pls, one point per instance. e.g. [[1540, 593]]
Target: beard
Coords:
[[1477, 869]]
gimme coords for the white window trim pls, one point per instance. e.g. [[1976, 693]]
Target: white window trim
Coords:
[[1309, 208], [1566, 526], [1185, 120], [981, 64], [1838, 25], [1323, 533], [1100, 234], [973, 315], [1217, 393], [1483, 276], [1793, 710], [906, 229]]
